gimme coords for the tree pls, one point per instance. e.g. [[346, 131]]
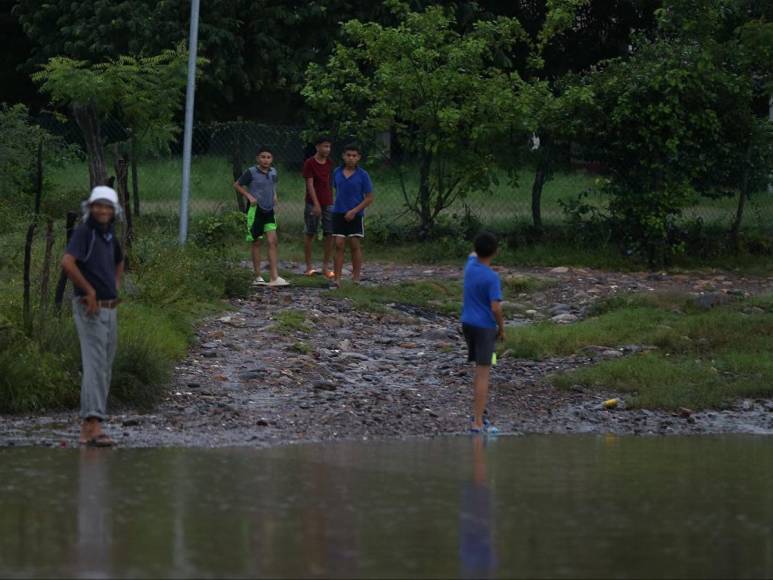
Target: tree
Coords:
[[673, 121], [435, 88], [257, 50], [143, 92], [565, 38]]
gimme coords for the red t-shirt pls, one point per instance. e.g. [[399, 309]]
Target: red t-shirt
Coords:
[[320, 172]]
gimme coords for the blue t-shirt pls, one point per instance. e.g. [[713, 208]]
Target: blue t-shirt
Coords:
[[350, 191], [481, 288]]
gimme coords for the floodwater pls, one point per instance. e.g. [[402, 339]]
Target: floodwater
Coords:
[[534, 506]]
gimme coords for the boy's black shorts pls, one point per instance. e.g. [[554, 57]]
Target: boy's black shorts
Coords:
[[480, 342], [345, 229]]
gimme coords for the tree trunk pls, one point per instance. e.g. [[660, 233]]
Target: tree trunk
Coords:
[[135, 175], [236, 163], [735, 229], [536, 194], [540, 177], [26, 309], [39, 178], [122, 188], [62, 283], [88, 121], [46, 273], [425, 202]]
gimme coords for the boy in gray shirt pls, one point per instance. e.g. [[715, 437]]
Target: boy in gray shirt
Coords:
[[258, 186]]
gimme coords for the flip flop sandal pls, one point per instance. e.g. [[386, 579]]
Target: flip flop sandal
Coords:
[[102, 440], [485, 430], [330, 275], [312, 272]]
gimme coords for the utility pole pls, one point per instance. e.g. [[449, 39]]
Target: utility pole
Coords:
[[193, 42]]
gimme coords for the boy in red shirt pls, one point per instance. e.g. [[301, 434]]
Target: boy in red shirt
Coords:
[[319, 204]]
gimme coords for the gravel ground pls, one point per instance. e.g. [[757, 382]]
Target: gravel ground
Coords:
[[358, 374]]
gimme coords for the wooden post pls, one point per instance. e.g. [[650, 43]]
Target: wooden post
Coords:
[[39, 178], [45, 274], [135, 174], [122, 186], [236, 162], [62, 283], [26, 310]]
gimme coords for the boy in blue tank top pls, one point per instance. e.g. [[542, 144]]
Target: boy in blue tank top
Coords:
[[482, 322]]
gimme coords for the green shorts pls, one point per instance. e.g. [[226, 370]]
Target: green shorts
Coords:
[[259, 221]]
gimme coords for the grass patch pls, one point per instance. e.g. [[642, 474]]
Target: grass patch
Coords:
[[442, 296], [167, 289], [301, 347], [704, 358], [303, 281], [291, 320], [519, 284]]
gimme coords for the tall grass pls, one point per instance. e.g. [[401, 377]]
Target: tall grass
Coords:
[[506, 202], [702, 358], [166, 290]]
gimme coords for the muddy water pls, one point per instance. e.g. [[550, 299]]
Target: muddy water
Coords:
[[535, 506]]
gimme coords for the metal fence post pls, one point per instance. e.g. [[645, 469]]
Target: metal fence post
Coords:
[[188, 135]]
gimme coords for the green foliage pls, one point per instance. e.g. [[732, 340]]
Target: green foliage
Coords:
[[142, 92], [149, 341], [443, 296], [291, 320], [218, 230], [167, 289], [19, 154], [257, 52], [302, 347], [673, 121], [31, 377], [703, 358], [434, 87]]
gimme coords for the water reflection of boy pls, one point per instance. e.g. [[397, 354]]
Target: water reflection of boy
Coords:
[[476, 549]]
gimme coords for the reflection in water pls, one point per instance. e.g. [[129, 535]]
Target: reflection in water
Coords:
[[541, 506], [94, 518], [476, 547]]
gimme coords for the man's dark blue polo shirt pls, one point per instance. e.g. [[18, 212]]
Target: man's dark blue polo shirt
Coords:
[[97, 253]]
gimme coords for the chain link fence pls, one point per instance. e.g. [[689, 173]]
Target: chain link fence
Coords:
[[222, 151]]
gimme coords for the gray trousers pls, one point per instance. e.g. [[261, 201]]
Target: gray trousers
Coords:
[[98, 336]]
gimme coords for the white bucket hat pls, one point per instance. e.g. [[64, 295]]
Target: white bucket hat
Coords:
[[102, 193]]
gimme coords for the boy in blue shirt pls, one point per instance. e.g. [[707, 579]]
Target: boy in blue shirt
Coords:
[[482, 321], [354, 192]]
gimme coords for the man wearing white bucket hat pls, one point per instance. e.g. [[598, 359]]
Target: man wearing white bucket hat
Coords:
[[94, 262]]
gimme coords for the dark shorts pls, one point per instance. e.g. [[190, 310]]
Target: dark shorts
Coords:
[[345, 229], [259, 221], [312, 222], [481, 343]]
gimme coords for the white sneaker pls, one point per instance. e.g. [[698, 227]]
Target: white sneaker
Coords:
[[279, 282], [259, 281]]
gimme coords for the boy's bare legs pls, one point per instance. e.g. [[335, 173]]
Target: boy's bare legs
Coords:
[[272, 240], [355, 247], [256, 257], [329, 248], [480, 398], [307, 242], [340, 243], [328, 256]]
